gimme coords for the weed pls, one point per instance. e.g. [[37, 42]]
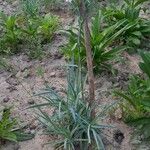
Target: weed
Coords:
[[10, 34], [35, 49], [145, 64], [30, 8], [6, 126], [129, 10], [136, 104], [72, 121], [52, 4], [101, 41], [48, 25], [9, 130], [31, 31], [40, 71]]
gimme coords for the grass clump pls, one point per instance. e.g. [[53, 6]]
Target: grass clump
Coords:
[[23, 30], [136, 100], [102, 43], [72, 122], [11, 34], [130, 10], [9, 130]]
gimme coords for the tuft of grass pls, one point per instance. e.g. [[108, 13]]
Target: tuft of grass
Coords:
[[9, 130], [10, 36], [71, 122], [136, 99], [130, 10], [31, 31], [102, 40], [30, 8]]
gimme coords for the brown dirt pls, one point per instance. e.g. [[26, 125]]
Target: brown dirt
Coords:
[[17, 88]]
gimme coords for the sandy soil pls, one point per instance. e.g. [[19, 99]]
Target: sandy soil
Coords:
[[17, 88]]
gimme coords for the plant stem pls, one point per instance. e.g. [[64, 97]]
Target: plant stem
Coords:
[[84, 16]]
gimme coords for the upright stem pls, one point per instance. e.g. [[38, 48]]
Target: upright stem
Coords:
[[89, 58]]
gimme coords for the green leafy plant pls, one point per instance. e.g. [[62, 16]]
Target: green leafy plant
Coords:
[[28, 26], [130, 10], [6, 126], [48, 25], [28, 31], [72, 122], [35, 49], [136, 104], [37, 31], [146, 63], [30, 8], [10, 33], [9, 130], [102, 40]]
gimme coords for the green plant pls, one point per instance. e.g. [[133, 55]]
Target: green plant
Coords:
[[37, 31], [146, 63], [130, 10], [48, 25], [72, 122], [102, 40], [10, 34], [41, 28], [26, 30], [36, 51], [40, 71], [8, 128], [30, 8], [29, 27], [136, 104]]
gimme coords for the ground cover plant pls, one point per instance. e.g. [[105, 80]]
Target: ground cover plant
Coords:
[[136, 100], [9, 130], [30, 8], [10, 34], [101, 39], [129, 10], [53, 4], [31, 30], [6, 126], [71, 122], [74, 112]]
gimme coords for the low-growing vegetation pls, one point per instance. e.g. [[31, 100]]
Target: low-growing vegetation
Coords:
[[72, 122], [9, 130], [130, 10], [102, 40], [136, 100], [76, 114], [20, 30]]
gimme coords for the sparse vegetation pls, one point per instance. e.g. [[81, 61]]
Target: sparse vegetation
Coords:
[[31, 30], [71, 122], [136, 100], [102, 40], [94, 37], [130, 10], [9, 130]]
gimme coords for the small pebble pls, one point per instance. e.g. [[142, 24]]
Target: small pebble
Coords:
[[6, 99], [31, 102], [53, 74]]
